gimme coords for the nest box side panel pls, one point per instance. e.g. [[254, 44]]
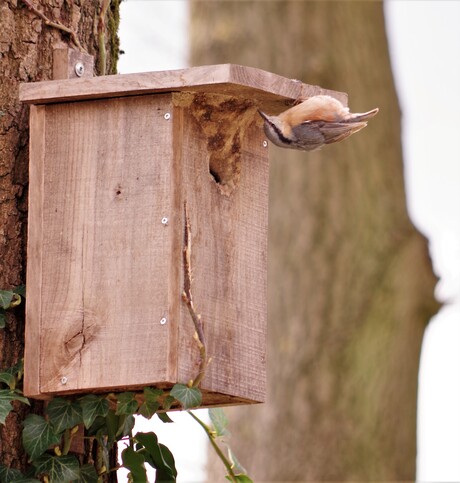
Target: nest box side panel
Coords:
[[225, 183], [34, 251], [105, 252]]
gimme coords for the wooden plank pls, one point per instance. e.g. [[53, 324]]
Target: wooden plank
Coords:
[[105, 271], [263, 87], [229, 246], [65, 60], [34, 252]]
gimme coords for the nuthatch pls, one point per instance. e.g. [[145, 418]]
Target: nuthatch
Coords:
[[317, 121]]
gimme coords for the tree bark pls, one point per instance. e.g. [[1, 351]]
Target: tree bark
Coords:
[[26, 53], [350, 280]]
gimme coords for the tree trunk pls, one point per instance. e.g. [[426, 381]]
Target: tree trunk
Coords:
[[350, 280], [26, 53]]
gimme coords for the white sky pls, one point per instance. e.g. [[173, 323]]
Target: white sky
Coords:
[[424, 41]]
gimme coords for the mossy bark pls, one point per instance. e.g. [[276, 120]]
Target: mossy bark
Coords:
[[350, 280], [26, 53]]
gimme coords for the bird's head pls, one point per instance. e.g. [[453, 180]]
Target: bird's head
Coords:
[[278, 133]]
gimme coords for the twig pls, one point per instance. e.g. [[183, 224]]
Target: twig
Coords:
[[188, 299], [101, 35], [220, 454], [57, 25]]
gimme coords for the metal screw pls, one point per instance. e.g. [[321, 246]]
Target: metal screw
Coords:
[[265, 144], [163, 321], [63, 380], [164, 220], [79, 69], [167, 116]]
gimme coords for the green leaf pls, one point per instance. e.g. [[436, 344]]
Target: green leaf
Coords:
[[58, 468], [126, 425], [64, 414], [11, 475], [93, 406], [157, 455], [127, 403], [219, 421], [168, 402], [135, 463], [8, 379], [152, 394], [8, 475], [189, 397], [6, 397], [2, 319], [6, 297], [236, 465], [17, 370], [148, 409], [20, 290], [88, 474], [38, 436], [165, 418]]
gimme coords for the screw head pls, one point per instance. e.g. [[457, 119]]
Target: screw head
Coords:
[[63, 380], [79, 69], [164, 220], [265, 144], [163, 321], [167, 116]]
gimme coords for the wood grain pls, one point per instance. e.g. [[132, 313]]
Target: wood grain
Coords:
[[34, 252], [236, 80], [105, 251], [104, 268], [229, 255]]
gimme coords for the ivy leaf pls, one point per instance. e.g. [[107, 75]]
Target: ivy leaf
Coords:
[[93, 406], [127, 403], [152, 394], [11, 475], [168, 402], [135, 463], [58, 468], [126, 425], [189, 397], [20, 290], [165, 418], [88, 474], [8, 475], [38, 435], [148, 409], [17, 370], [236, 465], [8, 379], [64, 414], [6, 397], [157, 455], [219, 421], [151, 402], [6, 297]]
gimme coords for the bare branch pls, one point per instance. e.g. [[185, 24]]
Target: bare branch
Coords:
[[56, 25], [188, 299]]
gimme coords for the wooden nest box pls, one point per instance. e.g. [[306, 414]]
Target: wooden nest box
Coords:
[[118, 166]]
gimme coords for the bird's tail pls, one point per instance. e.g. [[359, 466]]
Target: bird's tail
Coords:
[[362, 116]]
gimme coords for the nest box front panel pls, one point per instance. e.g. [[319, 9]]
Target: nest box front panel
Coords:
[[100, 189]]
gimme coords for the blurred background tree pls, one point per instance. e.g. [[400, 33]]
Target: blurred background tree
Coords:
[[350, 280]]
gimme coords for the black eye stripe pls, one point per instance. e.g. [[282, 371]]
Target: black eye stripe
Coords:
[[283, 138]]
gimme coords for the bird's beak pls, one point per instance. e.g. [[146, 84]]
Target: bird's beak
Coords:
[[263, 115]]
